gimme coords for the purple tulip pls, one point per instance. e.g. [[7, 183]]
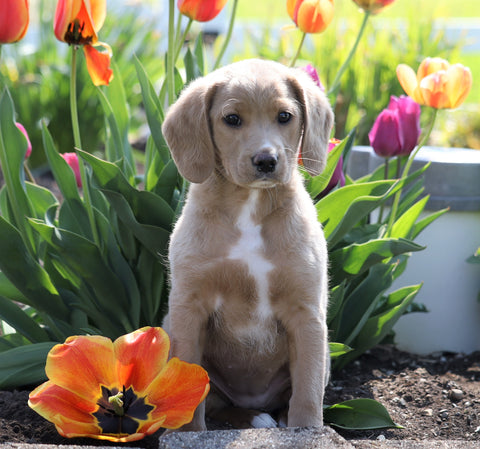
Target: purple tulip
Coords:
[[397, 128], [338, 177], [312, 71]]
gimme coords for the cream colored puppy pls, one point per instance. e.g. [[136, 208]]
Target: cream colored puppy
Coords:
[[248, 258]]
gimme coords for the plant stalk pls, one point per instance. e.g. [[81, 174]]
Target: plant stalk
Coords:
[[228, 36], [299, 49], [336, 81], [78, 144], [396, 200], [170, 71]]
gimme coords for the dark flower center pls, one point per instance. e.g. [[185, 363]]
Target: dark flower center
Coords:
[[74, 34], [120, 411]]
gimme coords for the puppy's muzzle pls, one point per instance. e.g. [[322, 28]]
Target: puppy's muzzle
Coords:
[[265, 162]]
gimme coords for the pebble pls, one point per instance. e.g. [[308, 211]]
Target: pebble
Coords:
[[443, 414], [427, 412], [381, 437], [455, 395]]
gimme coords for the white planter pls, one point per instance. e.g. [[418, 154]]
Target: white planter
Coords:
[[451, 285]]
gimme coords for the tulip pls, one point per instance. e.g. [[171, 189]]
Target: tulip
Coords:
[[200, 10], [14, 19], [312, 72], [373, 6], [437, 83], [397, 128], [77, 23], [118, 391], [24, 131], [338, 177], [311, 16], [72, 160]]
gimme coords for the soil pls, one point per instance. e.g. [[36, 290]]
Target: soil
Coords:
[[435, 397]]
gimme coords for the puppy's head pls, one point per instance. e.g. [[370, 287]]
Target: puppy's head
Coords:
[[249, 120]]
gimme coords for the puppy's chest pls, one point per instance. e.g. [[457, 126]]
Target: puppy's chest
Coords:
[[246, 261]]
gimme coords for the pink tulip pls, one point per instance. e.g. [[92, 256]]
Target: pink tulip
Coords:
[[397, 128], [72, 160], [24, 131]]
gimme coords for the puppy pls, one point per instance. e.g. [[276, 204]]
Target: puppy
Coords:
[[248, 258]]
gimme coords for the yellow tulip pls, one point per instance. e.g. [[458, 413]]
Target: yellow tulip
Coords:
[[437, 83]]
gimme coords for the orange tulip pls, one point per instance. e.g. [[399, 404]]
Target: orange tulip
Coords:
[[437, 83], [77, 23], [374, 6], [118, 391], [200, 10], [14, 20], [311, 16]]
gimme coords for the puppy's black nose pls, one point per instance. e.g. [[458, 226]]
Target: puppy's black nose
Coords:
[[265, 162]]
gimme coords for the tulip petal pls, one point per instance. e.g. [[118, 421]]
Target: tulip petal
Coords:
[[98, 65], [431, 65], [176, 392], [141, 355], [82, 365], [73, 22], [14, 20], [408, 80], [70, 413], [313, 16], [433, 90], [458, 84]]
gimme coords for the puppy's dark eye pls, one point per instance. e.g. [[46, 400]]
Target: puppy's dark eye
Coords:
[[232, 120], [284, 117]]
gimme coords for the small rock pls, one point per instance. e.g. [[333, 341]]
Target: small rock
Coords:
[[455, 395], [427, 412], [443, 414], [381, 437]]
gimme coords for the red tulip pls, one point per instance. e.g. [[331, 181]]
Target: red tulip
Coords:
[[311, 16], [77, 23], [201, 10], [14, 19], [397, 128]]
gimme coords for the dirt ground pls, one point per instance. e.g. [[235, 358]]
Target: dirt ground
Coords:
[[434, 397]]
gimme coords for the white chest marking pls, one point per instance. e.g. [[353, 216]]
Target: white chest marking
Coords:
[[249, 250]]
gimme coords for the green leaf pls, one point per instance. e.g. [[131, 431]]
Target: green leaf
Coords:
[[357, 258], [338, 349], [62, 172], [360, 304], [24, 365], [342, 209], [316, 185], [359, 414], [153, 110], [27, 275], [11, 313], [423, 223]]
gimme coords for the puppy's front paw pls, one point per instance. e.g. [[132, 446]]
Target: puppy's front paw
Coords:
[[263, 420]]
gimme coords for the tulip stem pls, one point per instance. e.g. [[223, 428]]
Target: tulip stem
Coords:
[[336, 82], [179, 40], [228, 36], [299, 49], [78, 144], [406, 170], [170, 72]]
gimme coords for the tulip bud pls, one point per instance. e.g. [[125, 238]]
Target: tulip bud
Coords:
[[14, 19], [72, 160], [338, 177], [29, 147], [312, 72]]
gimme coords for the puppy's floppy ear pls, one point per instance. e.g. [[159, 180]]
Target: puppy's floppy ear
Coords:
[[317, 122], [187, 131]]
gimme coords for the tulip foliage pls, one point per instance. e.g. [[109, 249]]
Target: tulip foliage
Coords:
[[90, 259]]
